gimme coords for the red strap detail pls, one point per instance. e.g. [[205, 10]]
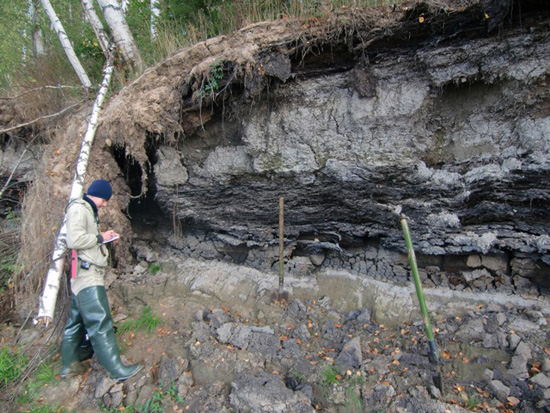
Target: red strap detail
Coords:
[[74, 262]]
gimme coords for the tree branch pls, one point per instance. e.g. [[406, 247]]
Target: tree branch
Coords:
[[41, 117], [40, 88]]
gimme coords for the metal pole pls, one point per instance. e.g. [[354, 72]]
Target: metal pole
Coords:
[[281, 244], [419, 293]]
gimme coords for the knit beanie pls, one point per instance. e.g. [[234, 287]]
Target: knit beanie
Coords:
[[100, 188]]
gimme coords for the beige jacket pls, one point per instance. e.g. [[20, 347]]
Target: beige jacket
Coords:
[[82, 236]]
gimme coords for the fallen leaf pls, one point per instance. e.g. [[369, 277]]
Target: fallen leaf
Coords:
[[513, 401], [421, 19], [338, 377]]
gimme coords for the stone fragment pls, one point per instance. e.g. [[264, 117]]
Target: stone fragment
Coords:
[[265, 392], [500, 391], [488, 375], [471, 330], [350, 357], [473, 261], [170, 369], [185, 382], [317, 259], [513, 341], [541, 380]]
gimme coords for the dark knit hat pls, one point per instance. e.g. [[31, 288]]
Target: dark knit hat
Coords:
[[100, 188]]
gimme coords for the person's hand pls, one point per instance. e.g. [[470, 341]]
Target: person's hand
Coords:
[[110, 235]]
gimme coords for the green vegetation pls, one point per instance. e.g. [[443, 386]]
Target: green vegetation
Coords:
[[148, 322], [352, 384], [212, 81], [330, 375], [157, 403], [180, 24], [11, 366], [155, 267], [159, 398]]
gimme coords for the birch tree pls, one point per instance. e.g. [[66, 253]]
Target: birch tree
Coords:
[[51, 287], [37, 39], [67, 46], [97, 26], [114, 16], [155, 14]]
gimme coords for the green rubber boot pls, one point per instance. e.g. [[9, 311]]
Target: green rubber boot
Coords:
[[72, 350], [94, 309]]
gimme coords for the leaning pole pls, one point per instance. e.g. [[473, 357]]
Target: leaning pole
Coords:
[[51, 287]]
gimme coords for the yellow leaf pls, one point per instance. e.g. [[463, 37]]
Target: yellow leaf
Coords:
[[513, 401], [421, 19], [486, 16]]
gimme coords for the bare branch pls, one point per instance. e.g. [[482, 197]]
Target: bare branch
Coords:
[[21, 125], [38, 89]]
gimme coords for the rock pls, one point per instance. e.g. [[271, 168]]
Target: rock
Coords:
[[266, 393], [473, 261], [184, 383], [518, 367], [546, 365], [500, 391], [103, 385], [513, 341], [350, 357], [471, 330], [317, 259], [541, 380], [218, 317], [495, 340], [488, 375], [365, 316], [169, 370], [523, 350]]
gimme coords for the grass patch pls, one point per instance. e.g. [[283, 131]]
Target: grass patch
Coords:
[[11, 366], [155, 267], [330, 375], [148, 322]]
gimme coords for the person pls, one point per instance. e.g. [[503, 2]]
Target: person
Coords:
[[89, 314]]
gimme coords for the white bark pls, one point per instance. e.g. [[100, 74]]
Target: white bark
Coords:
[[67, 46], [97, 26], [37, 39], [155, 14], [114, 16], [51, 288]]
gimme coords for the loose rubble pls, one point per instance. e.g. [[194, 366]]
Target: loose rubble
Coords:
[[306, 356]]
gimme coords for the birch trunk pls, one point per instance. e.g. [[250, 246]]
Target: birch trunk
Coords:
[[69, 51], [37, 39], [155, 14], [51, 288], [114, 16], [97, 26]]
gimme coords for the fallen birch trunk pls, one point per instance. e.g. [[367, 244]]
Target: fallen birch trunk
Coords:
[[65, 42], [51, 287]]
